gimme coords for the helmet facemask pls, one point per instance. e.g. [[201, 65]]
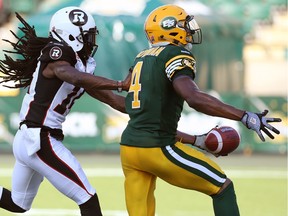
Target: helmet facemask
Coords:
[[194, 33], [88, 39]]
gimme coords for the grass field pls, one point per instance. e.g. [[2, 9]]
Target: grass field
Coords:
[[260, 183]]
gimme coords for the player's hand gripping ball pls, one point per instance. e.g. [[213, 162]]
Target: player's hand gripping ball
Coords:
[[222, 140]]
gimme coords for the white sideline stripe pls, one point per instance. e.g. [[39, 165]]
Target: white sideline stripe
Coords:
[[91, 172], [105, 172], [67, 212], [232, 173], [262, 174]]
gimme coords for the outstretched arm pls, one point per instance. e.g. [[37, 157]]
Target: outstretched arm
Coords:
[[210, 105], [203, 102], [96, 86], [185, 138], [64, 71], [109, 97]]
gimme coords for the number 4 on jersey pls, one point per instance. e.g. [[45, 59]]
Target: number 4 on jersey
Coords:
[[135, 86]]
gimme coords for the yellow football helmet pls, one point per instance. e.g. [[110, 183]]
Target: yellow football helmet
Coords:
[[171, 23]]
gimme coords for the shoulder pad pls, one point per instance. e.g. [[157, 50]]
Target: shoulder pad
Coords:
[[55, 51]]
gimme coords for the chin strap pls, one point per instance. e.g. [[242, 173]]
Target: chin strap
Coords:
[[59, 37], [189, 47], [94, 51]]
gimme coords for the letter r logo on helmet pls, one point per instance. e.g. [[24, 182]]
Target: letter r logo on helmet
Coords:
[[78, 17]]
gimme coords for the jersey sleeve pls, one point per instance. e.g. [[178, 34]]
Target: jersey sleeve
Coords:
[[180, 62], [58, 52]]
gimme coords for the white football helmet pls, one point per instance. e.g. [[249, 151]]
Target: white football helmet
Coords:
[[75, 27]]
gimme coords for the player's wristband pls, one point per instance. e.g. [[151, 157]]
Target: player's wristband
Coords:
[[119, 86]]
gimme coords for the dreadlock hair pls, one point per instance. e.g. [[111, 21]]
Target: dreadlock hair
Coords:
[[28, 47]]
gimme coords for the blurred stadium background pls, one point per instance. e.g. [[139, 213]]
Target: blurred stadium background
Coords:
[[242, 60]]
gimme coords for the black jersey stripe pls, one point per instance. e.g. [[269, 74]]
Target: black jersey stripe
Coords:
[[49, 157]]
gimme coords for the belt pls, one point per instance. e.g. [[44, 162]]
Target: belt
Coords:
[[56, 133]]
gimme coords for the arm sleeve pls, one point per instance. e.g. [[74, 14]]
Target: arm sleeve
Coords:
[[184, 71], [180, 63]]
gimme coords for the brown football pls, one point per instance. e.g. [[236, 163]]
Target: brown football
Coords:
[[222, 140]]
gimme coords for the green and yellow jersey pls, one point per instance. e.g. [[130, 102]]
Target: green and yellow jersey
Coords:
[[153, 105]]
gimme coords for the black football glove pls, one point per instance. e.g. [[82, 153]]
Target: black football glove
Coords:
[[258, 122]]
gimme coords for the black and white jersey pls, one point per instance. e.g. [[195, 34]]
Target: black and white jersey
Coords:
[[49, 100]]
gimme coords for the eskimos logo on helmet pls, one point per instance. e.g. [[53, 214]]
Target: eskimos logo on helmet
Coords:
[[168, 23], [78, 17]]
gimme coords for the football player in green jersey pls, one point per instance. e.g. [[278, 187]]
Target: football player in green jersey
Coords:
[[162, 79]]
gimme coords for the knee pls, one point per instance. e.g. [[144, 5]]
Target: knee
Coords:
[[225, 185], [225, 202]]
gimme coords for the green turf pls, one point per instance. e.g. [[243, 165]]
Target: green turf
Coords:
[[256, 196]]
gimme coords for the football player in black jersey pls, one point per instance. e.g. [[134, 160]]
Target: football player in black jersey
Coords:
[[162, 79], [56, 71]]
